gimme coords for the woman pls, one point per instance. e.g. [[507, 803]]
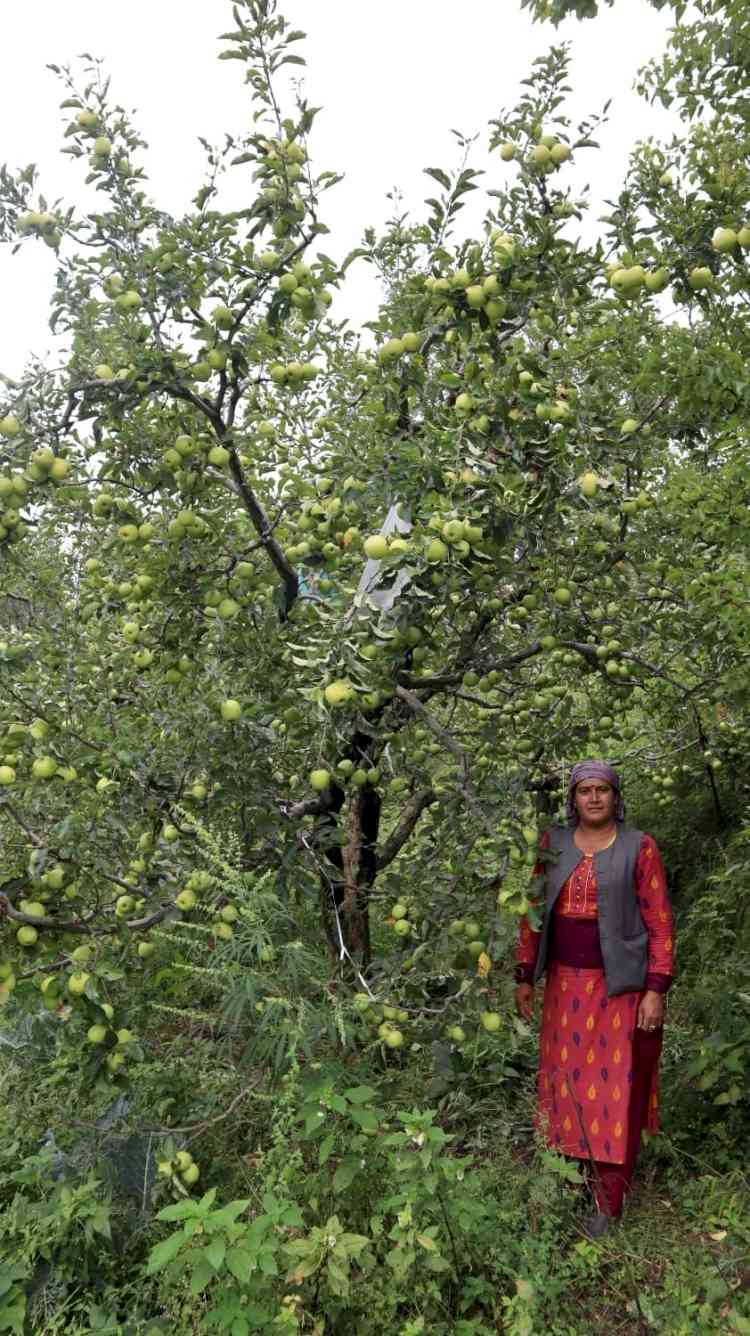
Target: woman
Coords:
[[606, 943]]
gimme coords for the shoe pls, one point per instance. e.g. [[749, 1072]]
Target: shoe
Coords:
[[596, 1226]]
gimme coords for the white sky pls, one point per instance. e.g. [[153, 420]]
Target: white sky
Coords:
[[393, 80]]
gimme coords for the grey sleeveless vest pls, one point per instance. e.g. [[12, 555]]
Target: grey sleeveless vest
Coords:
[[622, 932]]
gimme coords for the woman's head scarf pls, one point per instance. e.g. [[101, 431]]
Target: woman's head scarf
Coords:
[[593, 770]]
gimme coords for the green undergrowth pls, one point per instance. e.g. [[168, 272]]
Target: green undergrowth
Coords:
[[344, 1188]]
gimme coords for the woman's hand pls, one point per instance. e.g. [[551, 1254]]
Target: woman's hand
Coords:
[[651, 1011], [525, 1000]]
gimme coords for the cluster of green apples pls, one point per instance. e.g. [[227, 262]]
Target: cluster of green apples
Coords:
[[546, 155], [399, 919], [89, 124], [467, 934], [119, 1042], [627, 279], [45, 466], [382, 1016], [320, 779], [325, 522], [727, 240], [182, 1167], [551, 403], [302, 290], [40, 224], [468, 290], [293, 375], [8, 980], [281, 170], [18, 740]]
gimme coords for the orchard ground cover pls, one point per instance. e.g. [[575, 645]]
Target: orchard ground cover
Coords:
[[300, 637]]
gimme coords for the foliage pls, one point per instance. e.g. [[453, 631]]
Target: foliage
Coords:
[[302, 629]]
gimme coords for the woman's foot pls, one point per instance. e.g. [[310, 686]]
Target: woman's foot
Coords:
[[596, 1226]]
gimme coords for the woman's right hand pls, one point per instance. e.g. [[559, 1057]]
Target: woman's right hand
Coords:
[[525, 1000]]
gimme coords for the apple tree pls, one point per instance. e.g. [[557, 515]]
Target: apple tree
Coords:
[[283, 601]]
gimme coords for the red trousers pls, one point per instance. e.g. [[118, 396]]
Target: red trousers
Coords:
[[612, 1181]]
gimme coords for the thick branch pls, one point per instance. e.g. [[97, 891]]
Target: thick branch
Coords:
[[351, 855], [400, 834], [449, 742]]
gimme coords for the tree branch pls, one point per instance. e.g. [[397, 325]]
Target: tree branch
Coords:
[[408, 820]]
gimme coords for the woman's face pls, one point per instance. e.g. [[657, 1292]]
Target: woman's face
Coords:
[[595, 802]]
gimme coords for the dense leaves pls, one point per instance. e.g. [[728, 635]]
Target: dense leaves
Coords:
[[302, 628]]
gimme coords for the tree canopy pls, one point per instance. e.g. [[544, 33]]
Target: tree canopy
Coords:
[[303, 626]]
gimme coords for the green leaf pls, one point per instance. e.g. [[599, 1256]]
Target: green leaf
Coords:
[[181, 1210], [227, 1215], [360, 1094], [203, 1274], [365, 1119], [345, 1173], [325, 1148], [164, 1252], [438, 175], [215, 1253], [241, 1263]]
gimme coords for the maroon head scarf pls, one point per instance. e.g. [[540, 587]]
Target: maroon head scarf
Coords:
[[593, 770]]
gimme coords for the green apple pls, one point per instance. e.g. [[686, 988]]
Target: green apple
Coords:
[[7, 775], [338, 692], [465, 403], [456, 1034], [562, 596], [320, 780], [186, 900], [743, 240], [104, 372], [628, 427], [398, 911], [222, 317], [145, 949], [190, 1175], [507, 152], [230, 710], [657, 280], [44, 767], [218, 455], [491, 1021], [539, 156], [402, 927], [376, 547], [700, 278], [26, 935], [588, 483], [476, 296], [96, 1034], [102, 146], [393, 1038], [411, 341], [77, 982], [724, 240], [559, 153]]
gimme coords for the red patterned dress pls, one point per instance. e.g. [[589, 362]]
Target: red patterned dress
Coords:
[[589, 1104]]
